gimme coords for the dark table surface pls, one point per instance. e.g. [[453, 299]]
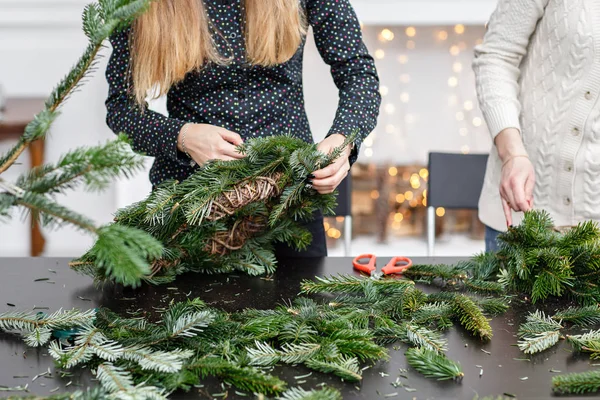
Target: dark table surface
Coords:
[[501, 372]]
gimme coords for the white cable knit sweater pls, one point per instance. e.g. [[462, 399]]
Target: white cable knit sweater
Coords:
[[538, 70]]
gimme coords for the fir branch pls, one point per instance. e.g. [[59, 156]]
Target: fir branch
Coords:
[[346, 368], [493, 305], [298, 393], [422, 337], [434, 314], [577, 383], [537, 323], [582, 316], [349, 284], [161, 361], [119, 383], [538, 342], [433, 365], [588, 340], [471, 317]]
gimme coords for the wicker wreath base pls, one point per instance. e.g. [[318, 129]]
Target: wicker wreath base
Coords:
[[242, 194], [225, 242]]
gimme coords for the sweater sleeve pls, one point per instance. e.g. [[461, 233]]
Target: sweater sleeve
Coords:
[[338, 38], [498, 59], [150, 133]]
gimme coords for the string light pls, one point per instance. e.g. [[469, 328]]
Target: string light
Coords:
[[386, 35], [404, 97], [393, 171], [396, 225], [414, 203], [465, 149], [368, 142], [411, 44], [398, 217], [406, 176], [453, 81], [374, 194], [340, 219], [405, 78], [379, 54], [442, 35], [462, 46], [400, 198], [454, 50], [326, 225], [384, 90], [424, 173], [460, 116], [390, 108], [468, 105], [477, 121], [411, 31], [440, 211], [459, 29], [402, 58], [457, 67], [368, 152], [408, 195]]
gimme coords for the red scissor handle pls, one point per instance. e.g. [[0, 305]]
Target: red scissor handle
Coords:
[[367, 268], [393, 268]]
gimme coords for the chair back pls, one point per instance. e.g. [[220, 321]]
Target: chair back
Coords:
[[455, 180]]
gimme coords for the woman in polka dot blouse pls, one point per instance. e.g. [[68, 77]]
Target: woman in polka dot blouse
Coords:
[[232, 70]]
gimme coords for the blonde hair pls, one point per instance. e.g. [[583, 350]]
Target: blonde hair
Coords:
[[174, 37]]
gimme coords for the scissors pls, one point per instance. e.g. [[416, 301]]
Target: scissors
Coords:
[[397, 265]]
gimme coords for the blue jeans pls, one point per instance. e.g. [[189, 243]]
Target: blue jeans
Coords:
[[491, 239]]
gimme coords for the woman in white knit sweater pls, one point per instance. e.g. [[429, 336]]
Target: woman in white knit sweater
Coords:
[[538, 83]]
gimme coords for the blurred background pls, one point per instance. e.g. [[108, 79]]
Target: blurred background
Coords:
[[423, 50]]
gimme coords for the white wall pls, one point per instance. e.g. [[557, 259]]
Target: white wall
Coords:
[[41, 39]]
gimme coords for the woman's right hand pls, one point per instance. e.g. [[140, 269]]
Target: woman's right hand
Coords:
[[518, 176], [205, 142]]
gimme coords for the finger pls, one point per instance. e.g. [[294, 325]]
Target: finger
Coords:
[[507, 212], [231, 137], [329, 170], [507, 195], [329, 184], [529, 185], [229, 150], [518, 190]]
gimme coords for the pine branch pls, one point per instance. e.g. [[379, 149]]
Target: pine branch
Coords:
[[433, 365], [537, 323], [435, 314], [577, 383], [589, 340]]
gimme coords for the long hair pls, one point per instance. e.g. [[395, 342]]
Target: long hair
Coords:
[[174, 37]]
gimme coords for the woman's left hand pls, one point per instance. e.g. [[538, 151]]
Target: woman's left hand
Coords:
[[326, 180]]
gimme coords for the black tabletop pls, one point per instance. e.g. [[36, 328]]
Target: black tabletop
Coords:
[[65, 289]]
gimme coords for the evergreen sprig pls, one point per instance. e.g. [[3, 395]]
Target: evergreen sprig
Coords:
[[471, 317], [581, 316], [577, 383], [433, 364]]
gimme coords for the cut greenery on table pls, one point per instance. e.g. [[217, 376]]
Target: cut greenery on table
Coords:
[[137, 357]]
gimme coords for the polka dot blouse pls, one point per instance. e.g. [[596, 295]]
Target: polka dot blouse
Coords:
[[247, 99]]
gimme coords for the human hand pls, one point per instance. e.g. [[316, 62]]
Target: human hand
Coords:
[[327, 179], [518, 176], [205, 142]]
